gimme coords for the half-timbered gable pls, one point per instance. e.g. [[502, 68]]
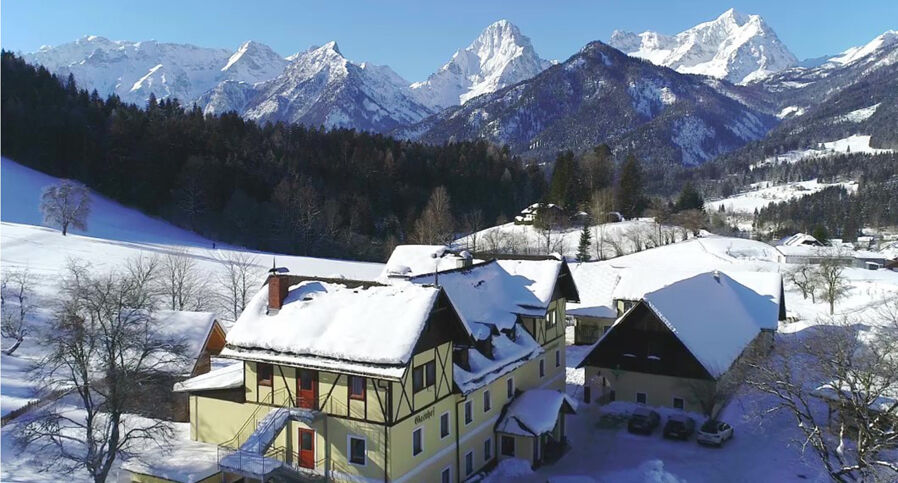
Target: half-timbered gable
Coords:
[[672, 346], [641, 342]]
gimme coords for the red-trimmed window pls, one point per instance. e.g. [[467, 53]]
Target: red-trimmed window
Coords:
[[265, 374], [356, 387]]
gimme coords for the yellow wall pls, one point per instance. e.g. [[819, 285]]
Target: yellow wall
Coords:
[[660, 390], [218, 421], [437, 452], [523, 447]]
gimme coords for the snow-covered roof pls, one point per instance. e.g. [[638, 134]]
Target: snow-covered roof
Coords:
[[714, 316], [833, 391], [181, 460], [813, 251], [335, 326], [596, 284], [411, 260], [496, 292], [228, 377], [507, 354], [799, 239], [190, 328], [534, 412]]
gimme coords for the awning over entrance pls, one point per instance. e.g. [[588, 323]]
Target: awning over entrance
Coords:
[[535, 412]]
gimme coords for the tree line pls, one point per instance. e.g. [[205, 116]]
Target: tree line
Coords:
[[287, 188]]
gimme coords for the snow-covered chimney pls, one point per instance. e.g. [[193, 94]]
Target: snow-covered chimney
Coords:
[[717, 276], [277, 288], [465, 259]]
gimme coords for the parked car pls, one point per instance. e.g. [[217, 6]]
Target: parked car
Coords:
[[679, 427], [643, 421], [714, 433]]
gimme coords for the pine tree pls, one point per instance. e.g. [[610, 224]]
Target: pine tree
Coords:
[[690, 199], [630, 200], [563, 188], [585, 243]]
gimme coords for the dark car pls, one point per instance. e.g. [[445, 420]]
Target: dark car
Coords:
[[643, 421], [714, 433], [679, 427]]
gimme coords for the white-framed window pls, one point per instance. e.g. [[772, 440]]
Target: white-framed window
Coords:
[[679, 403], [509, 388], [487, 401], [469, 463], [417, 441], [446, 475], [357, 450], [507, 446], [469, 411], [550, 319], [542, 368], [444, 425], [557, 358], [641, 397], [487, 450]]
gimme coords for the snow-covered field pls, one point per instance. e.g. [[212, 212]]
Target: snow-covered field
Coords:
[[857, 143], [764, 193], [613, 239]]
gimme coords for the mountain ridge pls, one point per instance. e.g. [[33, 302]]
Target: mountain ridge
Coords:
[[734, 46]]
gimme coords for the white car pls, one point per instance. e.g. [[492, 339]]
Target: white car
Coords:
[[714, 433]]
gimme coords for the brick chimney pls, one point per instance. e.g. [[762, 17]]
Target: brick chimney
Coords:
[[278, 284]]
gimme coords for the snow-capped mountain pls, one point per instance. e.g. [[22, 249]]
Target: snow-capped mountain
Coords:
[[253, 62], [601, 95], [500, 56], [132, 70], [797, 90], [734, 46], [321, 87]]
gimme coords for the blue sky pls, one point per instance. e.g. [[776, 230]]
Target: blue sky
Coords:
[[415, 38]]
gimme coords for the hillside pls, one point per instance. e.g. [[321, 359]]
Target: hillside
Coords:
[[283, 188], [115, 234]]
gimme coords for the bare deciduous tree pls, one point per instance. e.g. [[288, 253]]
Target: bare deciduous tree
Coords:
[[182, 284], [831, 282], [102, 348], [65, 204], [240, 275], [472, 223], [839, 384], [805, 278], [435, 226], [15, 306]]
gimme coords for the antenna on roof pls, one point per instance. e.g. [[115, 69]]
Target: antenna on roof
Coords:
[[274, 270]]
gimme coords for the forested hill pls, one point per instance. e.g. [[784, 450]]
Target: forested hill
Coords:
[[276, 187]]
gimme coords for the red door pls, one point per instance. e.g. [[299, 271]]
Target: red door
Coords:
[[306, 455], [307, 389]]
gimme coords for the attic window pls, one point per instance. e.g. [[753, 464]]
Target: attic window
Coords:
[[356, 387], [264, 374]]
